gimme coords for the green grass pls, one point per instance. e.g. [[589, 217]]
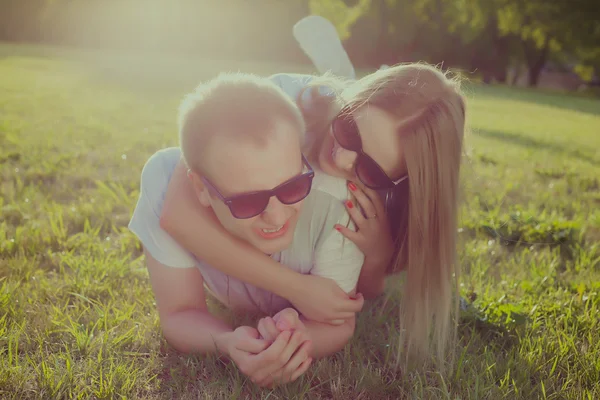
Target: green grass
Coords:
[[77, 317]]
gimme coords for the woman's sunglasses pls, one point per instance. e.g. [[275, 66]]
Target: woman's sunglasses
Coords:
[[345, 132], [248, 205]]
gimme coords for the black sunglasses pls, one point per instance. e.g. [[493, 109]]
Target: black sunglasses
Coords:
[[248, 205], [345, 132]]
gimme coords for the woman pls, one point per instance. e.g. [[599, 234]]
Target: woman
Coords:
[[396, 135]]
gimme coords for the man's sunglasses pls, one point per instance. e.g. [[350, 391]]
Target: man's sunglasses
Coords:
[[367, 170], [248, 205]]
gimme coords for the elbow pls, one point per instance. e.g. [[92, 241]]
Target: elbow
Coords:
[[172, 335], [174, 342], [177, 346]]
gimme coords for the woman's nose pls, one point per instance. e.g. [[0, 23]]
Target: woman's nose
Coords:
[[345, 159]]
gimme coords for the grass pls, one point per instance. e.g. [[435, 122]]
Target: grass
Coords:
[[77, 318]]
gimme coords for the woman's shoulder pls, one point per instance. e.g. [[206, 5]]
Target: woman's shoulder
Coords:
[[292, 84]]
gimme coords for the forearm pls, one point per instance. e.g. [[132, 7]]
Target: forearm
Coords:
[[197, 230], [327, 339], [372, 278], [195, 331]]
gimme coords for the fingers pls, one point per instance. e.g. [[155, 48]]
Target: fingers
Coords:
[[265, 362], [346, 308], [251, 341], [278, 354], [286, 319], [267, 329], [297, 359], [365, 202], [357, 303], [301, 369], [287, 372], [298, 338], [275, 371], [374, 197], [348, 233], [254, 346], [354, 213]]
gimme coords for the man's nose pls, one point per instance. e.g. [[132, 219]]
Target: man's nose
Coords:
[[276, 213]]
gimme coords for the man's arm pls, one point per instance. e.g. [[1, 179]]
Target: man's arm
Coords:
[[196, 229], [186, 323], [327, 339]]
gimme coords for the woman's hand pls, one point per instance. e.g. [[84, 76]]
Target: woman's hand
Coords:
[[322, 300], [373, 235]]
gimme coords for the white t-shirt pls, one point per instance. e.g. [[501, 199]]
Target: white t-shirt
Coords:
[[317, 248]]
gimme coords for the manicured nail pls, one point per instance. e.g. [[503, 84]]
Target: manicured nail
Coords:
[[352, 186], [349, 204], [338, 228]]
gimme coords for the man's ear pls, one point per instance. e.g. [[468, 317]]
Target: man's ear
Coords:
[[199, 188]]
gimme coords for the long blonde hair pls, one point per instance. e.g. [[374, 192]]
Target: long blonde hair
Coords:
[[431, 110]]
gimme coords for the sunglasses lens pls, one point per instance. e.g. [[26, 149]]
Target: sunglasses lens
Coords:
[[346, 133], [371, 175], [295, 190], [249, 206]]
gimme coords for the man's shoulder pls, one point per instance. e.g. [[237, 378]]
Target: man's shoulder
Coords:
[[323, 207], [332, 187], [163, 158], [158, 168]]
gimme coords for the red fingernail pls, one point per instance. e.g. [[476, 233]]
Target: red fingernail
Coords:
[[352, 186], [349, 204], [337, 228]]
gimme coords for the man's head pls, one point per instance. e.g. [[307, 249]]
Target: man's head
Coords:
[[241, 134]]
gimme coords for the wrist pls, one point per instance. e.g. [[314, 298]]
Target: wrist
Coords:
[[222, 341]]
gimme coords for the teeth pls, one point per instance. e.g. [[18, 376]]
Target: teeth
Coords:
[[272, 230]]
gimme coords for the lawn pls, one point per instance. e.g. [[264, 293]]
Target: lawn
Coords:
[[77, 318]]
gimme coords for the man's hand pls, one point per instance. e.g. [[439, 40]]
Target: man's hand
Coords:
[[322, 300], [285, 320], [283, 361]]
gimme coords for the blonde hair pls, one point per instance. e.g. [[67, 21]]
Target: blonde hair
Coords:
[[240, 105], [431, 111]]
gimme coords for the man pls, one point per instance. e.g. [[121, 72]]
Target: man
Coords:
[[240, 136]]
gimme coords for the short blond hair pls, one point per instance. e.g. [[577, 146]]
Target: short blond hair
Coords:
[[239, 105]]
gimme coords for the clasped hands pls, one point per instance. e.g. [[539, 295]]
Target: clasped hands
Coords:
[[277, 351]]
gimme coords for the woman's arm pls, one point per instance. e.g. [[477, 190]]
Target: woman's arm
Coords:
[[371, 282], [197, 230], [373, 237]]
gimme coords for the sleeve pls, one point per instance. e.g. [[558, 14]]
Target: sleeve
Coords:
[[292, 85], [145, 222], [336, 257]]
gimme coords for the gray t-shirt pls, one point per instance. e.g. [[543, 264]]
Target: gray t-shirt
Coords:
[[317, 248]]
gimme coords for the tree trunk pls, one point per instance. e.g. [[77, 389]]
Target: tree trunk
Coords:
[[381, 46], [515, 77], [536, 59]]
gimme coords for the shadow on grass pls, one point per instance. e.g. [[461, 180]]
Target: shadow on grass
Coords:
[[534, 144], [562, 100]]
